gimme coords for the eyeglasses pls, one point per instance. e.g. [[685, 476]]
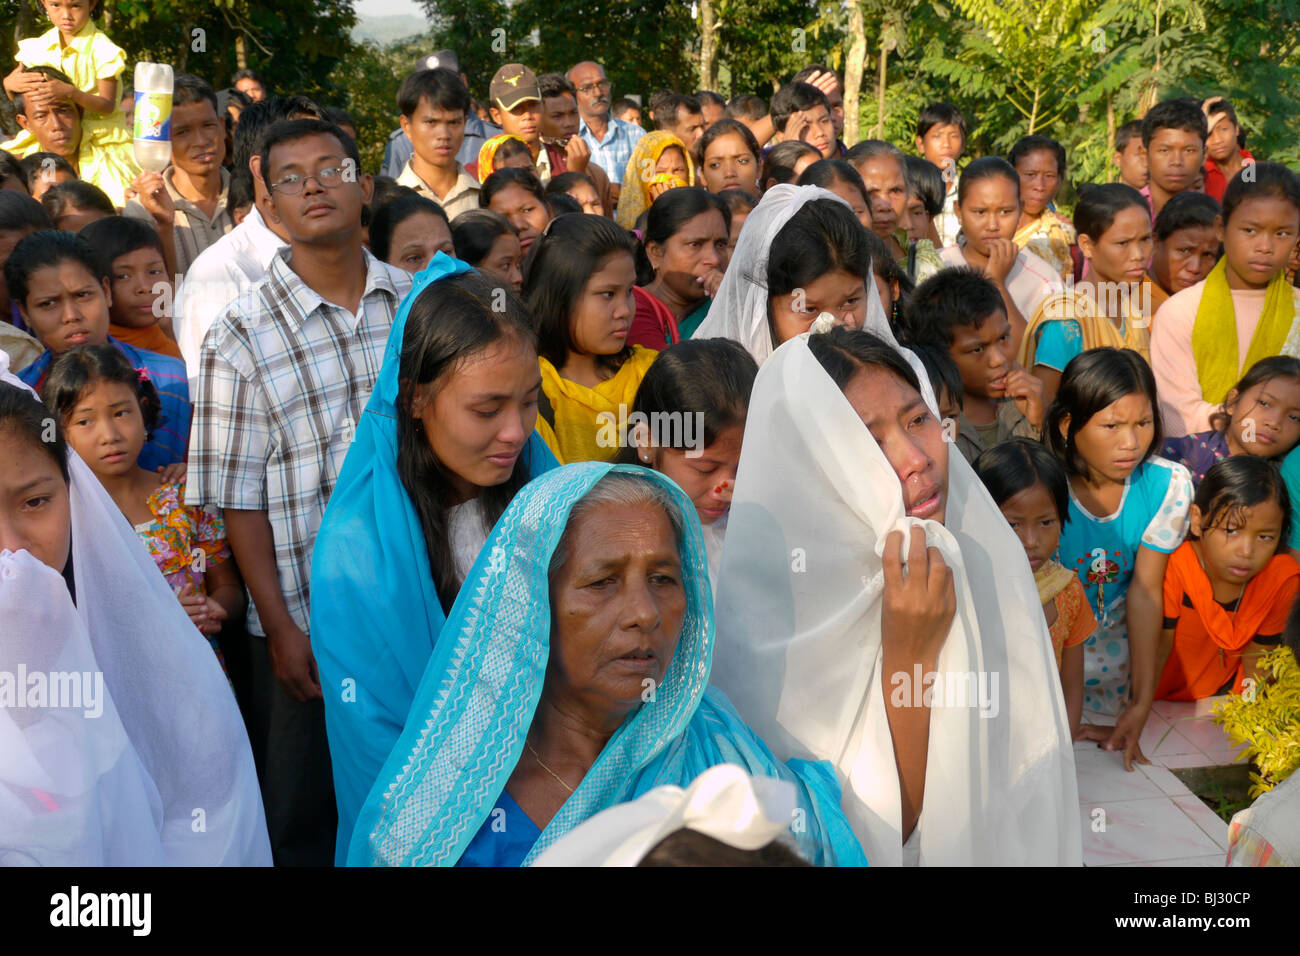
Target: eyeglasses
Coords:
[[294, 183], [602, 86]]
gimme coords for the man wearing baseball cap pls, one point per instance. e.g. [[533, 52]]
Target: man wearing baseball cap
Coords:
[[399, 149], [516, 106]]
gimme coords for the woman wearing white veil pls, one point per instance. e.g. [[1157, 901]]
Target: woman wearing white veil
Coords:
[[120, 740], [820, 264], [801, 649]]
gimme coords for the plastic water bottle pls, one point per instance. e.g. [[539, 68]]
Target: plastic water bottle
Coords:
[[153, 116]]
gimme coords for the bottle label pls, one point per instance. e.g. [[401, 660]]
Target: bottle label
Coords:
[[153, 116]]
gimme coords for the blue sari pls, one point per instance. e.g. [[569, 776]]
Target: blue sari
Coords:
[[375, 613], [467, 727]]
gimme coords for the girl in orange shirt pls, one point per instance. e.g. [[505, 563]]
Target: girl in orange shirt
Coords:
[[1227, 589]]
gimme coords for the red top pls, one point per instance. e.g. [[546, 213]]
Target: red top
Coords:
[[654, 324], [1216, 184]]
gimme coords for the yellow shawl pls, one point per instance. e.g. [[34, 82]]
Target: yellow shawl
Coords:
[[1098, 330], [634, 197], [588, 421], [1214, 334], [487, 153], [1052, 578], [1050, 238]]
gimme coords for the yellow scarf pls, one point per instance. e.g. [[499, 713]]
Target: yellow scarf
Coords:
[[1098, 330], [587, 421], [1214, 335], [634, 196], [487, 153], [1052, 578]]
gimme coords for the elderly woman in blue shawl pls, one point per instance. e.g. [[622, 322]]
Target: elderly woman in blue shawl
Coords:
[[572, 675], [446, 441]]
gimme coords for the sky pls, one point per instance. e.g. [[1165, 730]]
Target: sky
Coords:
[[387, 8]]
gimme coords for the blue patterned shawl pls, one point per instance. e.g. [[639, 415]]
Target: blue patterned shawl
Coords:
[[375, 614], [474, 706]]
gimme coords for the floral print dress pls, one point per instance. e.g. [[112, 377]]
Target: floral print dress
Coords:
[[184, 542]]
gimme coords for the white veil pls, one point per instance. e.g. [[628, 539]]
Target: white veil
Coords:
[[799, 636], [136, 753], [724, 802], [739, 310]]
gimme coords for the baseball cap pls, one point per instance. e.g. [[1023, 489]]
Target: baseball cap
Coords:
[[513, 84], [445, 59]]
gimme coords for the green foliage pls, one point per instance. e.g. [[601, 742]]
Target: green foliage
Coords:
[[1069, 65]]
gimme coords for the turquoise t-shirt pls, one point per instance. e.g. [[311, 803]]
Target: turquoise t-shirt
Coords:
[[1058, 342], [1152, 513], [1291, 476]]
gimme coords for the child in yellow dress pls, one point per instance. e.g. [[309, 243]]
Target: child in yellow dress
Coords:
[[94, 64]]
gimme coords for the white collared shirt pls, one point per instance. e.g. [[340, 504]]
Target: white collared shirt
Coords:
[[227, 268]]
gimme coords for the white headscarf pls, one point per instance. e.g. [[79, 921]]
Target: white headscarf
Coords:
[[724, 802], [739, 310], [155, 768], [799, 635]]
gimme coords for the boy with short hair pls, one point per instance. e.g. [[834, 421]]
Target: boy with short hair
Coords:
[[941, 138], [1174, 134], [801, 111], [1130, 156], [435, 105], [961, 312], [133, 252]]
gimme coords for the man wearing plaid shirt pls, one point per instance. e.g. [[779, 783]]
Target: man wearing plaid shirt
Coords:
[[284, 376], [610, 140]]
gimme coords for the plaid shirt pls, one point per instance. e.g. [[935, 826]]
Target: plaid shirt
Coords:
[[283, 379], [612, 153]]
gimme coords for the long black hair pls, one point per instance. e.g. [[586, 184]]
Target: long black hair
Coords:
[[449, 321], [560, 263], [1092, 380], [1262, 372], [986, 167], [474, 232], [1099, 205], [22, 413], [712, 378], [823, 236], [845, 352], [1012, 466], [1242, 481], [387, 217]]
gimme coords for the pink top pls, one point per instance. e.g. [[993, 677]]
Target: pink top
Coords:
[[1182, 409], [1030, 281]]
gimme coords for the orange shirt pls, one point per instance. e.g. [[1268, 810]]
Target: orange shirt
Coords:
[[1209, 636], [1075, 621], [150, 337]]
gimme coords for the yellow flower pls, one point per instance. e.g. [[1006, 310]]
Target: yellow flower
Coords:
[[1267, 719]]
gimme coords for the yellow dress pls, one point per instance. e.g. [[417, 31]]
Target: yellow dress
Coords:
[[106, 157], [587, 422]]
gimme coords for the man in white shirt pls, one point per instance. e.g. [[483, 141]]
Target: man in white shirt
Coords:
[[239, 259]]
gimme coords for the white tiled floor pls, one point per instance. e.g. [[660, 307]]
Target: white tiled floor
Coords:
[[1149, 817]]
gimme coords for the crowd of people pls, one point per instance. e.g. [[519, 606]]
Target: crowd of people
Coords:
[[564, 492]]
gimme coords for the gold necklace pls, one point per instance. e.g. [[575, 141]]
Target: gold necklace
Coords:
[[546, 768]]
